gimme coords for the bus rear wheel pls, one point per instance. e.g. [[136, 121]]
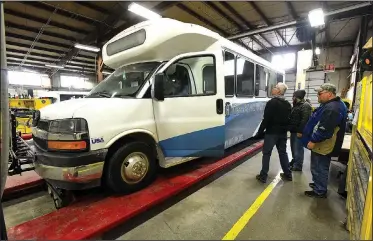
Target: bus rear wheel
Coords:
[[131, 168]]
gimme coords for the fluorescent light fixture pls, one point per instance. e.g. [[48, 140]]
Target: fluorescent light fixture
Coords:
[[54, 66], [87, 47], [316, 17], [106, 72], [143, 12], [317, 51]]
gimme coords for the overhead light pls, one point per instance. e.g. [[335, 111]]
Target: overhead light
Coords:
[[54, 66], [316, 17], [143, 12], [87, 47], [317, 51], [106, 72]]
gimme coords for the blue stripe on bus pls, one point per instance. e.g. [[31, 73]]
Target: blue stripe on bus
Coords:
[[207, 142], [213, 141]]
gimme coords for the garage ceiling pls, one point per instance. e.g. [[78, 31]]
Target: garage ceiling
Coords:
[[39, 33]]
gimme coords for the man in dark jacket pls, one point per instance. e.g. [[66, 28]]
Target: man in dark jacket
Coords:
[[299, 116], [323, 135], [275, 124]]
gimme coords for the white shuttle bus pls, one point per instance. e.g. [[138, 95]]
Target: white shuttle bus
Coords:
[[179, 91]]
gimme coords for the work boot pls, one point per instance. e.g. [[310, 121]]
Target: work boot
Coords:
[[286, 177], [294, 169], [291, 164], [313, 194], [261, 178]]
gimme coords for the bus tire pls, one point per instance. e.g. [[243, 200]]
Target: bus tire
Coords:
[[131, 168]]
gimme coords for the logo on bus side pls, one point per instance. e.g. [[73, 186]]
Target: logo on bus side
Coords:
[[97, 140]]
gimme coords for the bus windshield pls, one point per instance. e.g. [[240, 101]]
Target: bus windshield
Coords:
[[126, 81]]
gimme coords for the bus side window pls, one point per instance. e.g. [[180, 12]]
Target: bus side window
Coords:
[[280, 78], [179, 79], [229, 73], [260, 82], [208, 77], [272, 81], [245, 77]]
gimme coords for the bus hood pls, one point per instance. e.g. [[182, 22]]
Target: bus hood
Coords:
[[75, 107]]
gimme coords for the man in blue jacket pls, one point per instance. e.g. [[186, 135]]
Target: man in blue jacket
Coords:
[[323, 135]]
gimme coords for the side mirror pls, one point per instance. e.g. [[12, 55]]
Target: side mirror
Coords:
[[158, 93]]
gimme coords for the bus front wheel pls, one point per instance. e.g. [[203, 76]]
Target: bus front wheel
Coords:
[[131, 168]]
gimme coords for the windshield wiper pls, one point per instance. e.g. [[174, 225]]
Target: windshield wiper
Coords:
[[101, 94]]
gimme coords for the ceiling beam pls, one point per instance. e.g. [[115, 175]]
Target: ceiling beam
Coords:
[[23, 52], [42, 64], [45, 50], [232, 21], [44, 69], [355, 10], [11, 25], [242, 19], [50, 60], [79, 59], [201, 18], [42, 41], [158, 8], [62, 12], [294, 48], [35, 47], [206, 21], [267, 21], [163, 6], [43, 21], [93, 6], [292, 11], [95, 37]]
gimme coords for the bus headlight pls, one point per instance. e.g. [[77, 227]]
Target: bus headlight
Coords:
[[68, 135], [68, 126]]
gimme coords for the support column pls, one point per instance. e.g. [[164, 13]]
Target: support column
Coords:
[[56, 81], [4, 122], [99, 74]]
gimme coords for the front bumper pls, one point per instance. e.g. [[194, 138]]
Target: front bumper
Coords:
[[78, 174], [70, 170]]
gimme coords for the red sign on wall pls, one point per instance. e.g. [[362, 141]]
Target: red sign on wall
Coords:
[[329, 68]]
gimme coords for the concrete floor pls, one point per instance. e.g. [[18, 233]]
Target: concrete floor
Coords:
[[209, 210]]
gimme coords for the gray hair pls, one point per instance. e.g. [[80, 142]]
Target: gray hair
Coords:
[[282, 87]]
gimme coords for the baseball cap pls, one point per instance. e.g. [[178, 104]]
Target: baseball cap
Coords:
[[327, 87]]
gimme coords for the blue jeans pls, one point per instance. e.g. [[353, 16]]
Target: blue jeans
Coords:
[[297, 151], [320, 172], [270, 140]]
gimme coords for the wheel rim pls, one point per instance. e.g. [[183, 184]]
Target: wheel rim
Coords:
[[134, 167]]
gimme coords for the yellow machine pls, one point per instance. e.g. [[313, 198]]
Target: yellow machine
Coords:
[[34, 104], [23, 109], [359, 178]]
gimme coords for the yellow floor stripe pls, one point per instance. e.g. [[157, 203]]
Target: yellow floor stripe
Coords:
[[241, 223]]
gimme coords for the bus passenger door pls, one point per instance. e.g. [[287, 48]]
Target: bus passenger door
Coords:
[[189, 113]]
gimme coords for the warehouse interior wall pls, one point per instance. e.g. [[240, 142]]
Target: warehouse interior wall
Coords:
[[55, 84], [58, 85], [340, 57]]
